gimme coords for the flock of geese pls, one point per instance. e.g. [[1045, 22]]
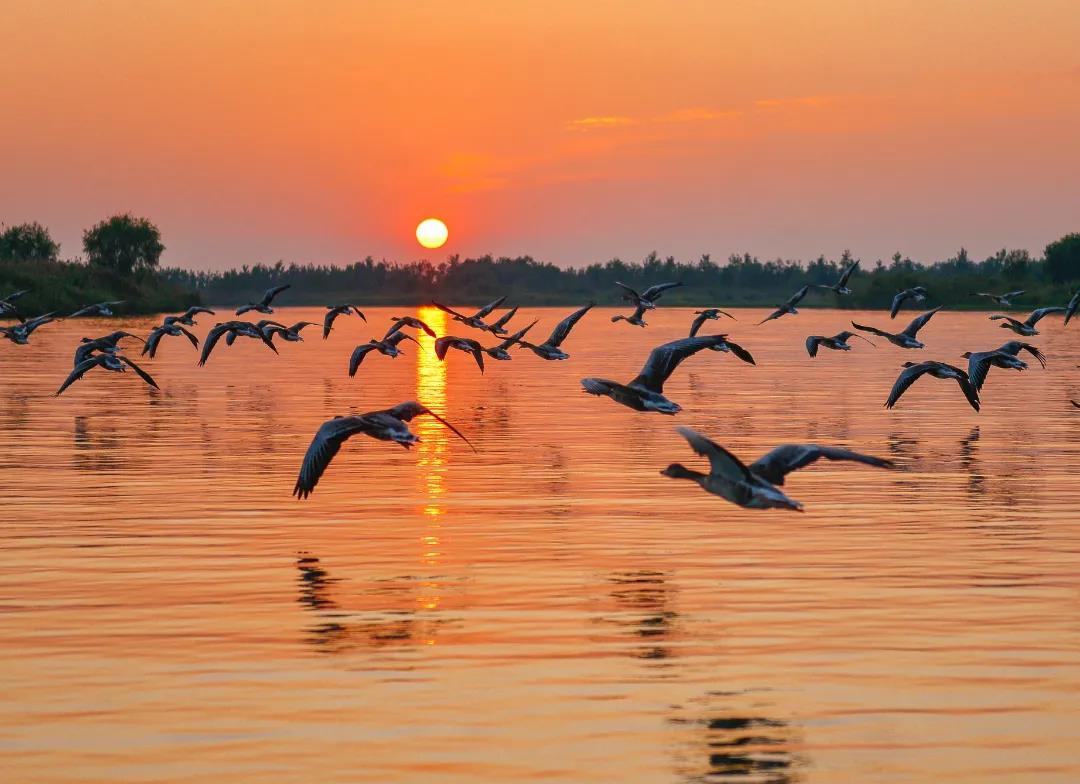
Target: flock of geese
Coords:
[[755, 486]]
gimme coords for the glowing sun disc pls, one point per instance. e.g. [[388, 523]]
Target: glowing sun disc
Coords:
[[432, 233]]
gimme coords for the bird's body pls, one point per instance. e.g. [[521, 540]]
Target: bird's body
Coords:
[[1027, 327], [838, 342], [917, 293], [905, 339], [841, 287], [701, 316], [333, 311], [757, 486], [914, 371], [468, 345], [502, 350], [646, 300], [787, 307], [476, 320], [388, 347], [1005, 300], [409, 321], [97, 309], [634, 318], [551, 349], [645, 392], [231, 330], [20, 333], [263, 305], [388, 425], [116, 363], [288, 334], [174, 329]]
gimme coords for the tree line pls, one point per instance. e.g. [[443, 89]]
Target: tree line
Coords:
[[122, 261]]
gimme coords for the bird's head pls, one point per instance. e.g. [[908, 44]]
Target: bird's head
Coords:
[[678, 471], [908, 364], [966, 355]]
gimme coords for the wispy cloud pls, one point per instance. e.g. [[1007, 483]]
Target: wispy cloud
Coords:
[[606, 121]]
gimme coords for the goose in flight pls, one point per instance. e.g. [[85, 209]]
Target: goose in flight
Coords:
[[117, 363], [187, 318], [232, 330], [388, 425], [705, 315], [635, 318], [409, 321], [905, 339], [1027, 327], [838, 342], [20, 333], [105, 344], [787, 307], [913, 372], [1070, 309], [499, 327], [756, 486], [468, 345], [97, 309], [265, 326], [646, 299], [476, 320], [333, 311], [388, 346], [841, 287], [174, 329], [917, 293], [552, 347], [1014, 347], [645, 392], [263, 305], [7, 304], [980, 362], [502, 351], [288, 334], [1005, 300]]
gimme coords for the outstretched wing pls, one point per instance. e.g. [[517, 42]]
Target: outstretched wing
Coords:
[[698, 322], [442, 345], [152, 342], [740, 352], [410, 409], [978, 367], [920, 321], [212, 337], [1037, 315], [1074, 303], [871, 330], [631, 291], [191, 338], [326, 443], [78, 372], [774, 315], [1010, 319], [328, 321], [512, 339], [796, 298], [268, 297], [445, 309], [664, 359], [358, 355], [1011, 294], [142, 373], [489, 307], [721, 462], [812, 345], [781, 461], [897, 301], [847, 273], [1014, 347], [908, 377], [504, 318], [654, 293], [562, 329]]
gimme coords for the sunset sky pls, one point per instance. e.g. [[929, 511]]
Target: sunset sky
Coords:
[[571, 131]]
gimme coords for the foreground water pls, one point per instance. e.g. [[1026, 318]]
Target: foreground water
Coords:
[[550, 609]]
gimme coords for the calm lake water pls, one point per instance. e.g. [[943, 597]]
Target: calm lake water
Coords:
[[550, 609]]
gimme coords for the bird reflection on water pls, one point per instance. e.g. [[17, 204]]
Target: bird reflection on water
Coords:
[[643, 607]]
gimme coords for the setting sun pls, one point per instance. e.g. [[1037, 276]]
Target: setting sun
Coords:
[[432, 233]]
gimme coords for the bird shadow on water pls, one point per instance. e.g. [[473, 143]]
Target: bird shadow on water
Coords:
[[727, 736]]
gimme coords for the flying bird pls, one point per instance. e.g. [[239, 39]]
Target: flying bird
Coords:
[[706, 315], [232, 330], [913, 372], [905, 339], [117, 363], [787, 307], [552, 347], [1014, 347], [97, 309], [756, 486], [288, 334], [333, 311], [263, 305], [1027, 327], [838, 342], [476, 320], [387, 425], [7, 306], [645, 392], [156, 334], [646, 299], [468, 345], [502, 351], [917, 293], [388, 346], [635, 318], [20, 333], [265, 326], [108, 344], [409, 321], [187, 318], [841, 287], [1005, 300], [980, 362], [1070, 309], [499, 327]]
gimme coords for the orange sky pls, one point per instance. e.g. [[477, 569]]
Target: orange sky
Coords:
[[570, 131]]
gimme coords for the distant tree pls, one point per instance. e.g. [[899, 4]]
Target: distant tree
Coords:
[[1063, 258], [123, 243], [27, 241]]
